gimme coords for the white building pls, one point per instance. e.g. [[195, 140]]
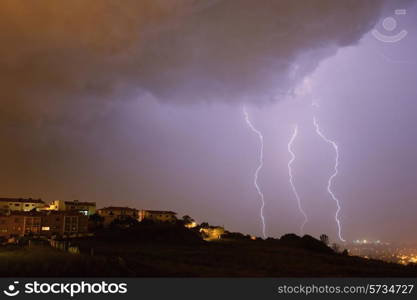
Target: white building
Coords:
[[20, 204], [86, 208]]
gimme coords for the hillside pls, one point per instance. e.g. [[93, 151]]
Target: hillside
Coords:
[[177, 252]]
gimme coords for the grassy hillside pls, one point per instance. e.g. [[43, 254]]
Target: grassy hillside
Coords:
[[174, 251]]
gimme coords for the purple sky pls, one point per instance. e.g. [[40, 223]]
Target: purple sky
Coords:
[[138, 106]]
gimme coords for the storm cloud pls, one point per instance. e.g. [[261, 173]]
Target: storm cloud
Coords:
[[70, 59]]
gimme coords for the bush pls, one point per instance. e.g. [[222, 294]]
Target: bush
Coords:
[[310, 243], [290, 237], [150, 232], [124, 222], [235, 236]]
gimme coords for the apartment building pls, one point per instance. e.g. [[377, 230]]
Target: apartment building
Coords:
[[20, 204], [112, 213], [86, 208], [158, 216], [44, 223]]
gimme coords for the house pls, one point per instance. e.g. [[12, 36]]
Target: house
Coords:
[[86, 208], [190, 225], [20, 204], [45, 223], [112, 213], [212, 233], [157, 216]]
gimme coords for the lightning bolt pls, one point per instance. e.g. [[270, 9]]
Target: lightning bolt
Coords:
[[261, 163], [330, 181], [294, 135]]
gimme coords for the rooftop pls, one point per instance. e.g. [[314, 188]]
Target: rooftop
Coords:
[[160, 212], [117, 208], [41, 213], [76, 202], [21, 200]]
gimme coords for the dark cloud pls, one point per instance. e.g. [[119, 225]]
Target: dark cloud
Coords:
[[245, 49], [58, 58]]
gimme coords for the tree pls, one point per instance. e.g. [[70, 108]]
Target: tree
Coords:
[[187, 219], [124, 222], [290, 237], [96, 219], [204, 225], [324, 239], [336, 247]]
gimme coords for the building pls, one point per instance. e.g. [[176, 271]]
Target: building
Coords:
[[157, 216], [46, 223], [20, 223], [64, 223], [86, 208], [112, 213], [212, 233], [190, 225], [20, 204]]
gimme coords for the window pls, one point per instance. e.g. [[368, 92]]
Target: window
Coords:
[[16, 204], [70, 224], [45, 228], [26, 204], [33, 224]]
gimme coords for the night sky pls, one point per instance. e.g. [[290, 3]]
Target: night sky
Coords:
[[139, 103]]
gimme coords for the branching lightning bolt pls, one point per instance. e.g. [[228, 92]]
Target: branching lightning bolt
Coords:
[[291, 178], [261, 163], [330, 181]]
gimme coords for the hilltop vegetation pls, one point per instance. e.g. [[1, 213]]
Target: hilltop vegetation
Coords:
[[172, 250]]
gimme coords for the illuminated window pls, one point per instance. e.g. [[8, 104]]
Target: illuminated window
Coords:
[[45, 228]]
